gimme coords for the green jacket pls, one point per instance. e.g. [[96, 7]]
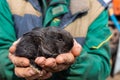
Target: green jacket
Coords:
[[92, 64]]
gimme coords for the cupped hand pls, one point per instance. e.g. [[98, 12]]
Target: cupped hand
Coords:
[[23, 68], [49, 65], [62, 61]]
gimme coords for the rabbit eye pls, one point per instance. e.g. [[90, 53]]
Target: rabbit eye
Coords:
[[60, 40]]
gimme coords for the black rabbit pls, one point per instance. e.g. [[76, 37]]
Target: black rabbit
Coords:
[[47, 42]]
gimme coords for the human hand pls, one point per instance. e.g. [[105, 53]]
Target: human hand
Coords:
[[62, 61], [23, 68]]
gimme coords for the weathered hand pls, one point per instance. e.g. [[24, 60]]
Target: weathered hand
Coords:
[[62, 61], [22, 66]]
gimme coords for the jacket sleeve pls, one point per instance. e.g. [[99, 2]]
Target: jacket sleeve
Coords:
[[93, 62], [7, 37]]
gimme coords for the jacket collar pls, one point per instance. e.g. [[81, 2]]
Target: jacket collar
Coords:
[[74, 4]]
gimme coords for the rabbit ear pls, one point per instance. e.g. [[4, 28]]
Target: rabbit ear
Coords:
[[27, 34], [36, 28]]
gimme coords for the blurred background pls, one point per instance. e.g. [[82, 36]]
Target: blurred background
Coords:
[[114, 24]]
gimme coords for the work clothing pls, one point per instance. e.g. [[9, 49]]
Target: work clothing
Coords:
[[93, 62]]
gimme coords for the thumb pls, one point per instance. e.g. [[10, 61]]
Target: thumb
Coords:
[[13, 47], [77, 48]]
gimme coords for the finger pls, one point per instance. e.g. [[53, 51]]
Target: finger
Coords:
[[36, 76], [57, 68], [40, 61], [40, 76], [46, 76], [50, 62], [24, 72], [66, 58], [19, 61], [63, 61], [76, 49], [33, 77], [13, 47], [43, 62]]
